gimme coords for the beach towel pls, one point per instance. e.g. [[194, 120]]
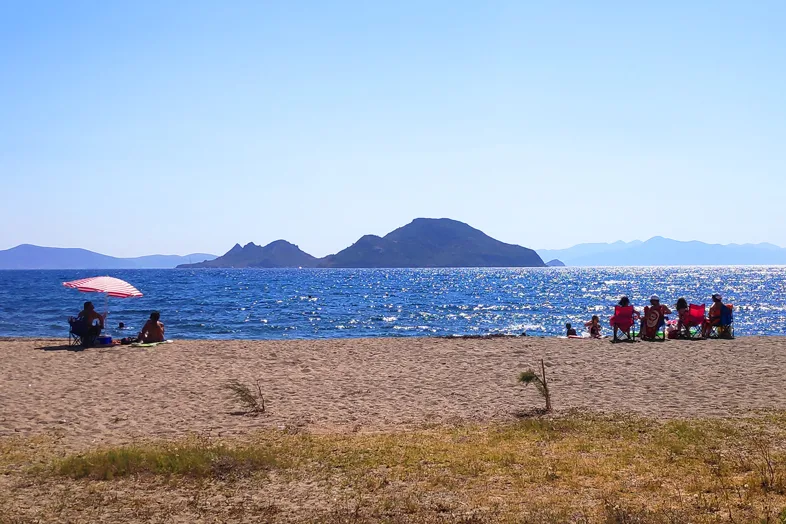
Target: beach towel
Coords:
[[653, 322], [149, 344]]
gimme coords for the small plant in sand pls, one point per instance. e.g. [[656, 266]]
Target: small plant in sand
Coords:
[[253, 403], [530, 377]]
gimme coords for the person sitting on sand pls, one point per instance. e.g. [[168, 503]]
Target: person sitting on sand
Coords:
[[593, 326], [714, 315], [570, 331], [153, 330], [89, 316], [682, 313]]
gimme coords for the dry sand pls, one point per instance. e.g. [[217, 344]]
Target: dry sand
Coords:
[[121, 394]]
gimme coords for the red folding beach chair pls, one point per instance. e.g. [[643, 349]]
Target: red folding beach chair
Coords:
[[653, 326], [692, 321], [622, 323]]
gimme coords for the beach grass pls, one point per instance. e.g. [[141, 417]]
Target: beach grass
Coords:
[[191, 458], [569, 468]]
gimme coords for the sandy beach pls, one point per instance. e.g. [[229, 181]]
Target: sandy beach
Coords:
[[123, 394]]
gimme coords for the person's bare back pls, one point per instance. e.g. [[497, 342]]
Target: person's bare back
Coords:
[[153, 330]]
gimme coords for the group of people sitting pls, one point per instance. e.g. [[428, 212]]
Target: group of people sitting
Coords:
[[88, 325], [691, 320]]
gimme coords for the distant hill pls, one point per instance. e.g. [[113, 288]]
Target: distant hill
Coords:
[[659, 251], [555, 263], [429, 242], [581, 250], [276, 254], [27, 256]]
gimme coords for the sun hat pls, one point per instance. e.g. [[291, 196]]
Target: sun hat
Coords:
[[655, 297]]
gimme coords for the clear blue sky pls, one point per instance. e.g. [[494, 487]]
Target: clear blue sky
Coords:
[[140, 127]]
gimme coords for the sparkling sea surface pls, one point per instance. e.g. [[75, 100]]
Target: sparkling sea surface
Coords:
[[332, 303]]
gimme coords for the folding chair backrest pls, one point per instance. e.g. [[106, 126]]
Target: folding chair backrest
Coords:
[[623, 318], [79, 327], [727, 315], [623, 312], [696, 313]]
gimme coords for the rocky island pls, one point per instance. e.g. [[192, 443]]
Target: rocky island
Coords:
[[424, 242]]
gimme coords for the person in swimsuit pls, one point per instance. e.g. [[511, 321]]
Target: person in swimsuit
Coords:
[[714, 315], [153, 330], [682, 314], [88, 324], [570, 331], [594, 326], [90, 316]]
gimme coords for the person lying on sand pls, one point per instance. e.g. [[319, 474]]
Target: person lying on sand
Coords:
[[153, 330]]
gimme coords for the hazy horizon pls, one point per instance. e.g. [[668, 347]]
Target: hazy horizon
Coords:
[[228, 247], [147, 127]]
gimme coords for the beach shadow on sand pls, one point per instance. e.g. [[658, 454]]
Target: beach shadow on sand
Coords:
[[61, 347]]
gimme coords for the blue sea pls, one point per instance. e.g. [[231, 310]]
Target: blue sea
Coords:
[[333, 303]]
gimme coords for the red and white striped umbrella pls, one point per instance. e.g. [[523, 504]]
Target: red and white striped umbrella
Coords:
[[113, 287]]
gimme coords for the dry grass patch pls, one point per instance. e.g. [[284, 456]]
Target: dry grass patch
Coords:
[[577, 468], [19, 453], [199, 458]]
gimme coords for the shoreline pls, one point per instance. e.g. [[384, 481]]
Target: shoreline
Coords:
[[121, 394], [489, 336]]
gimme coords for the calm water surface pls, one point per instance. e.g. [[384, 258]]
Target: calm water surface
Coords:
[[325, 303]]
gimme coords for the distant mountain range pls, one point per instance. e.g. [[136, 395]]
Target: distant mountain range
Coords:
[[659, 251], [425, 242], [27, 256]]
